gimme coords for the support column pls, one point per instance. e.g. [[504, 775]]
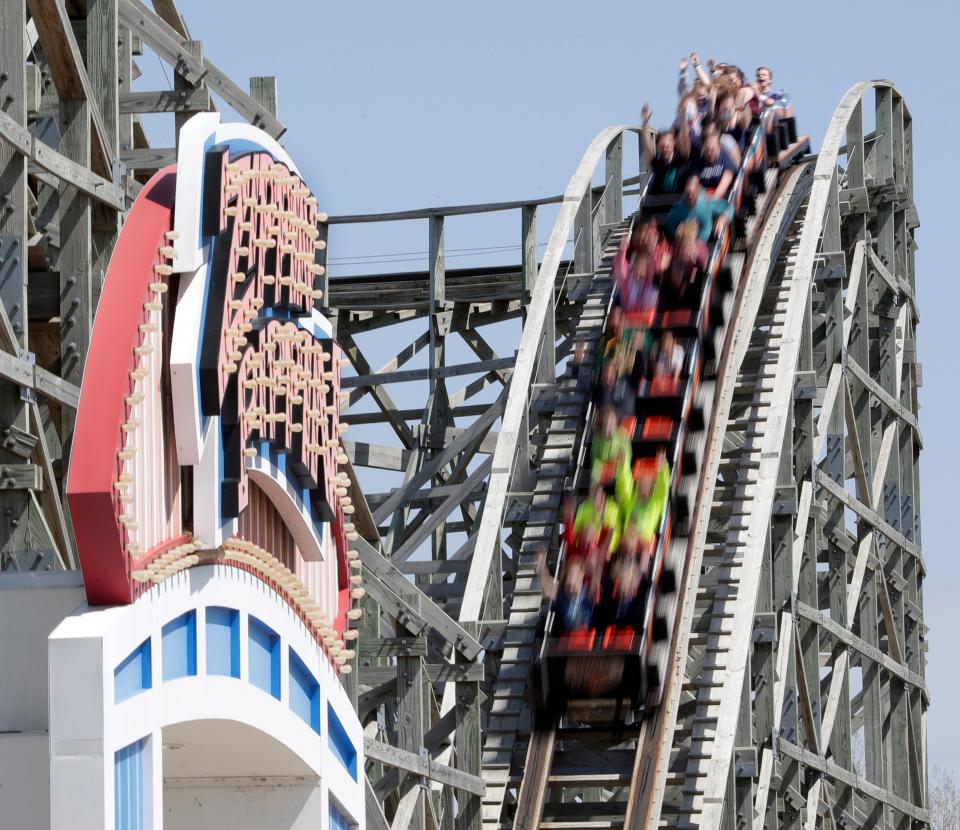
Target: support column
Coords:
[[13, 261]]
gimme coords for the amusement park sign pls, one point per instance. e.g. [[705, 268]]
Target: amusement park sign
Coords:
[[209, 412]]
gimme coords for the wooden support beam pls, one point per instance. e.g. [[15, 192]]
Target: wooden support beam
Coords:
[[103, 63], [470, 437], [428, 374], [263, 90], [435, 673], [169, 45], [851, 779], [57, 164], [386, 754], [69, 73], [149, 160], [26, 374], [450, 630], [14, 504], [861, 646], [166, 100], [167, 9], [870, 516]]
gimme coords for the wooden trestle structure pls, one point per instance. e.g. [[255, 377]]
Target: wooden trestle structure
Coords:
[[796, 693]]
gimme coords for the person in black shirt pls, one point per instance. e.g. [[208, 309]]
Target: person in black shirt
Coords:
[[668, 160]]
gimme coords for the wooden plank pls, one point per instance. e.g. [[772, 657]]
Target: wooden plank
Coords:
[[263, 90], [103, 64], [65, 169], [167, 9], [169, 45], [851, 640], [869, 514], [435, 672], [50, 497], [149, 160], [374, 809], [14, 504], [66, 65], [882, 395], [394, 757], [406, 375], [393, 647], [165, 100], [438, 620], [20, 477], [851, 779], [471, 436]]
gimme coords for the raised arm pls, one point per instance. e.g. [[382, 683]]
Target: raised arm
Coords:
[[547, 581], [683, 128], [702, 73], [683, 86], [646, 136]]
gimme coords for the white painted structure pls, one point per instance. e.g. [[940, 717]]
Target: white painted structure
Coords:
[[174, 743]]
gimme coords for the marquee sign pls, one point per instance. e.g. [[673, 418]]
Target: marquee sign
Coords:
[[208, 426]]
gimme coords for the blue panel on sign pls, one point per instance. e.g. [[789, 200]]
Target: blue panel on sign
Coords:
[[133, 675], [223, 642], [340, 743], [264, 657], [180, 647], [128, 787], [304, 693]]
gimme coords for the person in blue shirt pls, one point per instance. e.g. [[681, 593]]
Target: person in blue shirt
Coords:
[[708, 213]]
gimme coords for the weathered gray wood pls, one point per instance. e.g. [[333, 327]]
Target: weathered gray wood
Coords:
[[393, 647], [149, 160], [447, 628], [530, 249], [263, 90], [103, 65], [76, 312], [423, 766], [435, 673], [165, 100], [20, 477], [407, 375], [65, 61], [14, 505], [42, 156], [169, 45]]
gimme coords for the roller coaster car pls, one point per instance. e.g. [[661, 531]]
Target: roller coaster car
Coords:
[[580, 668]]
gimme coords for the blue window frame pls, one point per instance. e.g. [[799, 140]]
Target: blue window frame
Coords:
[[129, 812], [134, 674], [339, 821], [264, 645], [180, 647], [304, 693], [223, 642], [340, 743]]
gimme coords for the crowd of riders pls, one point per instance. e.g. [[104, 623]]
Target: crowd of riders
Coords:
[[611, 535]]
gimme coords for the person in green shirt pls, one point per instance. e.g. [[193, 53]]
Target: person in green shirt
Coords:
[[650, 500], [597, 524], [611, 447]]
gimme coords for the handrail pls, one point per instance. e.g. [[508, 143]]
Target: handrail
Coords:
[[505, 453]]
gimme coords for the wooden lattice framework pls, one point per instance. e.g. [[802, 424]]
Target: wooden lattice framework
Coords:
[[840, 587]]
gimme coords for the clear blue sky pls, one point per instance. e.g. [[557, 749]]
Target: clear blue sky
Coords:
[[403, 105]]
